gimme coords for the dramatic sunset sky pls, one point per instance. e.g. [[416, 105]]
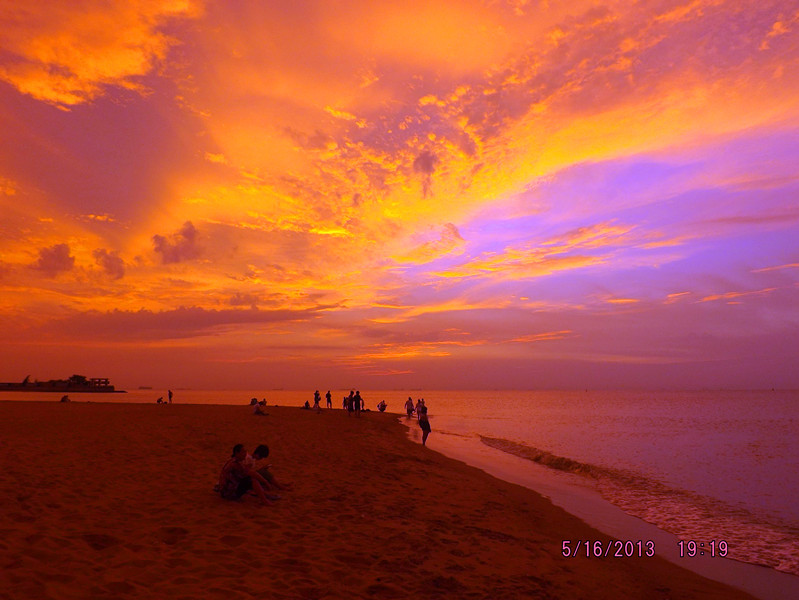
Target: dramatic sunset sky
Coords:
[[451, 194]]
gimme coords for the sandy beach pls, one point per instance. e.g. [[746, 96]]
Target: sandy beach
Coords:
[[115, 501]]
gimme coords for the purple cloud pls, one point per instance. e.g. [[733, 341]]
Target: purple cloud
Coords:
[[110, 262], [425, 164], [239, 299], [184, 322], [54, 260], [180, 246]]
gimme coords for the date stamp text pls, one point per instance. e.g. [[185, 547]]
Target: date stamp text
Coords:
[[607, 548]]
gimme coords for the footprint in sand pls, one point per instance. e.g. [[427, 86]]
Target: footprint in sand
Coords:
[[292, 565], [232, 540], [171, 535], [100, 541], [382, 590], [120, 587]]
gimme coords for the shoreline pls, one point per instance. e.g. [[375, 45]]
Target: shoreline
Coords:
[[577, 497], [126, 510]]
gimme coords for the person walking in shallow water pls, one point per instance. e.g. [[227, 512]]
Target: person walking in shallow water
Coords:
[[421, 411], [409, 407]]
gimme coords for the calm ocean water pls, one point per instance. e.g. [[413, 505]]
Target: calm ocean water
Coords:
[[703, 465]]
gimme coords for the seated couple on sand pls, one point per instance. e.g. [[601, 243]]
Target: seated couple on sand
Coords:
[[239, 476]]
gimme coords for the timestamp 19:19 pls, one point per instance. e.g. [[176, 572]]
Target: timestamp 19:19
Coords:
[[692, 548]]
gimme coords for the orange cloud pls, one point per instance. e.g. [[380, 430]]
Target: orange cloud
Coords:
[[449, 242], [539, 337], [677, 296], [728, 295], [535, 259], [777, 268], [346, 157], [66, 56]]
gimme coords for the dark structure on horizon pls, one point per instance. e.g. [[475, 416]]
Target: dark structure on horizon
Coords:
[[76, 383]]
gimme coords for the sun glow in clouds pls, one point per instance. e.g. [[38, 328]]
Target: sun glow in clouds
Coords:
[[423, 191]]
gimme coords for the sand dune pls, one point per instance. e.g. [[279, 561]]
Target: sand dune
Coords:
[[115, 501]]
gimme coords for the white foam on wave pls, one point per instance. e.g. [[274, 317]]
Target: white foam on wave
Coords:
[[749, 538]]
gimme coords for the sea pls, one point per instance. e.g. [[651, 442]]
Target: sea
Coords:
[[708, 466]]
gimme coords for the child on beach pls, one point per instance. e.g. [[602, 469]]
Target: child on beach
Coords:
[[236, 478]]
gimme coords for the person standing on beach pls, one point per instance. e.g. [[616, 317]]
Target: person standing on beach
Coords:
[[357, 403], [329, 399], [317, 398], [170, 396], [423, 422]]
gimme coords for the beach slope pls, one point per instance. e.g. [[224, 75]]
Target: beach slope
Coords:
[[108, 500]]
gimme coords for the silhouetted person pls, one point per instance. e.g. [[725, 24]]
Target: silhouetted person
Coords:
[[329, 399], [421, 410], [409, 407], [170, 396], [356, 400]]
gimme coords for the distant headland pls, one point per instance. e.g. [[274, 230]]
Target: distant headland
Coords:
[[76, 383]]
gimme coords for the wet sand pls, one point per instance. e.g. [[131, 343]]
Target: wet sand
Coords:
[[115, 501]]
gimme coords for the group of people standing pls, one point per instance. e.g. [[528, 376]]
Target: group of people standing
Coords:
[[317, 398], [354, 403]]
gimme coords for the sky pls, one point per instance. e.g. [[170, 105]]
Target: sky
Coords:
[[457, 194]]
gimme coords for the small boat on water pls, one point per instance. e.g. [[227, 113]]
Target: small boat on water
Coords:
[[76, 383]]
